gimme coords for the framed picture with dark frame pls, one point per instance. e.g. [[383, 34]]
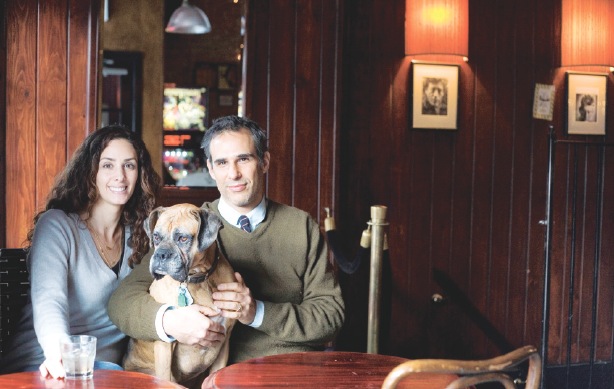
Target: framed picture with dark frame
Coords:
[[586, 103], [435, 95], [220, 76]]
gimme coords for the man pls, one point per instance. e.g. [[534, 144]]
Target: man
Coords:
[[434, 100], [293, 302]]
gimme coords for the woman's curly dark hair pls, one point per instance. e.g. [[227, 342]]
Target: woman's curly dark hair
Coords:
[[75, 190]]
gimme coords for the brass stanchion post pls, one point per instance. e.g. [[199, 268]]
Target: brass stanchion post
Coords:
[[377, 223]]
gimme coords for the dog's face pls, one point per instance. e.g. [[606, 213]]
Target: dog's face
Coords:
[[178, 234]]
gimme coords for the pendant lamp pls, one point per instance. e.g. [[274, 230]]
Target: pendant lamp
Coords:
[[188, 19], [437, 27]]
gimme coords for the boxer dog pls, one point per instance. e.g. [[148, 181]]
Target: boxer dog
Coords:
[[187, 266]]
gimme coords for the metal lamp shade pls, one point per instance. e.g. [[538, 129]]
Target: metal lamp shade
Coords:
[[188, 19]]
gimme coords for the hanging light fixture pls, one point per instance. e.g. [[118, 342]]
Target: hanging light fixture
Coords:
[[586, 33], [437, 27], [188, 19]]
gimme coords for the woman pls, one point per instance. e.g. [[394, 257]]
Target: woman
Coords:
[[81, 246]]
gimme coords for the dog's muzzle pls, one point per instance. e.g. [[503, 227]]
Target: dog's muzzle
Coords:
[[168, 260]]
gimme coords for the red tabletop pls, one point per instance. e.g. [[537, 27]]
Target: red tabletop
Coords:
[[103, 379], [322, 370]]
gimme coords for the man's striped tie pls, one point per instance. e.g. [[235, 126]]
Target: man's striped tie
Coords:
[[244, 223]]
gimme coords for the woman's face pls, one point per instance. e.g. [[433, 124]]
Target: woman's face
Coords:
[[591, 112], [118, 172]]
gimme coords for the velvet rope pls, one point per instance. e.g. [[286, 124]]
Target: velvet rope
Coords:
[[346, 265]]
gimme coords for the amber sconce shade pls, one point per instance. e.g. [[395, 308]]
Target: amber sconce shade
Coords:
[[437, 27], [587, 30]]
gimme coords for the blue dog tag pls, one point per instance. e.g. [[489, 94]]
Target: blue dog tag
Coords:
[[184, 298]]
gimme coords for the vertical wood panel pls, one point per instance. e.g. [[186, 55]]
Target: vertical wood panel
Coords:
[[484, 101], [52, 95], [605, 303], [3, 123], [280, 99], [83, 67], [288, 81], [308, 88], [329, 105], [49, 107], [21, 27]]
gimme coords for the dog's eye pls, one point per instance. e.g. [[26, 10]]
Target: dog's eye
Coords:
[[184, 239], [155, 238]]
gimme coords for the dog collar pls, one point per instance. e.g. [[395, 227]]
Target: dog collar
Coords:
[[198, 277]]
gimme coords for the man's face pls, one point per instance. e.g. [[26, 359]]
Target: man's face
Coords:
[[236, 170], [434, 93]]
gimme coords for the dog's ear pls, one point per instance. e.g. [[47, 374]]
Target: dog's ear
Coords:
[[150, 222], [210, 224]]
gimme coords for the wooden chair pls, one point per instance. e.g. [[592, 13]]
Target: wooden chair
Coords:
[[14, 289], [474, 372]]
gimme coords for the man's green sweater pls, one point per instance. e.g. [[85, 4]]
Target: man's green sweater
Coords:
[[283, 262]]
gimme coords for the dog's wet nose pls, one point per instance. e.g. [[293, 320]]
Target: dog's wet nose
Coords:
[[163, 254]]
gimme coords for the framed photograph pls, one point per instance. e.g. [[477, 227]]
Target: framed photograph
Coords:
[[543, 102], [435, 96], [586, 103], [225, 100], [228, 76]]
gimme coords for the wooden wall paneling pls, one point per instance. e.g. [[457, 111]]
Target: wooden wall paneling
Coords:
[[560, 258], [329, 96], [459, 263], [307, 102], [49, 107], [399, 147], [285, 91], [605, 305], [504, 136], [3, 123], [21, 95], [401, 311], [51, 117], [281, 99], [352, 215], [521, 226], [83, 67], [483, 158]]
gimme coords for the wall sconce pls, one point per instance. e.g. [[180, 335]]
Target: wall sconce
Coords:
[[586, 33], [188, 19], [437, 27]]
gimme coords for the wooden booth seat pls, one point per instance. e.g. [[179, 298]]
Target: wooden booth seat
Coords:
[[14, 289]]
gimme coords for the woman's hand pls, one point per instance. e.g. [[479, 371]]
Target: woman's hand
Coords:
[[52, 368]]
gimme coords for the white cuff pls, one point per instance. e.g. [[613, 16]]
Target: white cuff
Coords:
[[257, 322], [159, 327]]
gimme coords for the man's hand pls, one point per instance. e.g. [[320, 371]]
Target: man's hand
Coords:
[[191, 325], [235, 300], [208, 383]]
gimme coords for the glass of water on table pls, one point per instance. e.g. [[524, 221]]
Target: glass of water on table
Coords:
[[78, 354]]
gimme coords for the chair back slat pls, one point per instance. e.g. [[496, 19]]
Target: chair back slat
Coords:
[[14, 289]]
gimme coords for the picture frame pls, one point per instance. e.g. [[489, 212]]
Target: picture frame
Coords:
[[220, 76], [435, 95], [543, 101], [227, 76], [586, 103], [225, 100]]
